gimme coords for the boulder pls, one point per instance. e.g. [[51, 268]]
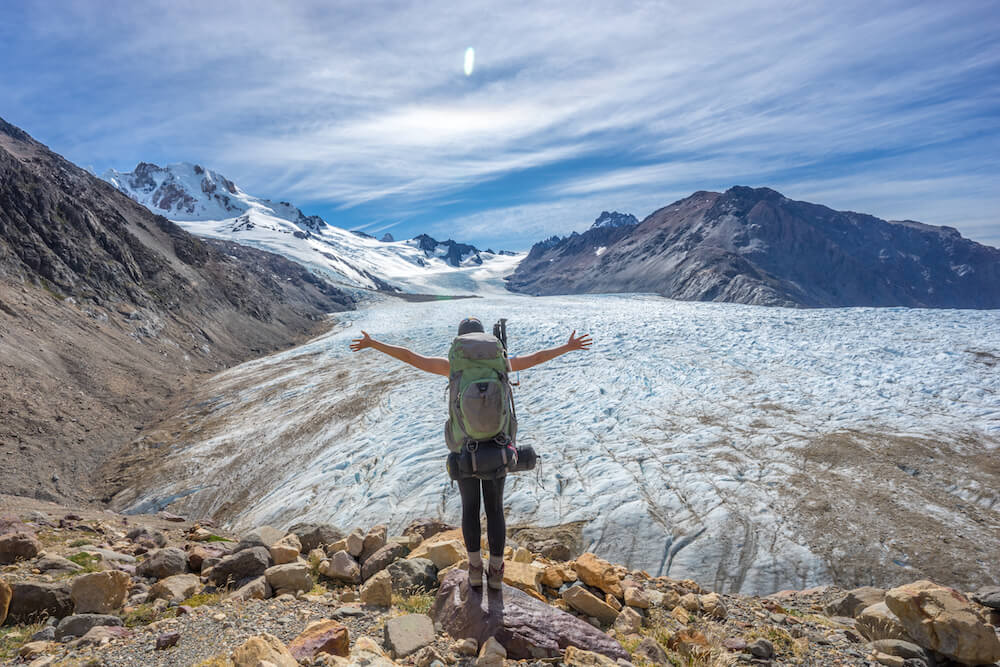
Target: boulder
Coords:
[[199, 554], [525, 626], [33, 650], [101, 634], [251, 562], [902, 649], [80, 624], [99, 592], [341, 566], [163, 563], [425, 528], [713, 606], [413, 574], [5, 594], [636, 597], [289, 577], [18, 546], [315, 535], [167, 640], [598, 573], [491, 654], [108, 554], [264, 536], [525, 576], [257, 589], [576, 657], [142, 534], [369, 654], [374, 540], [944, 620], [988, 597], [286, 550], [587, 603], [263, 651], [382, 558], [377, 591], [323, 636], [878, 622], [629, 621], [407, 634], [691, 602], [552, 576], [852, 602], [442, 554], [355, 542], [522, 555], [30, 602], [175, 589], [56, 564]]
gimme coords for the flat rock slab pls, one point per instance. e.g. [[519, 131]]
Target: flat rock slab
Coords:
[[80, 624], [408, 634], [526, 627]]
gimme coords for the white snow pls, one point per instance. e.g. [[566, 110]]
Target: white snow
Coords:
[[600, 251], [674, 439]]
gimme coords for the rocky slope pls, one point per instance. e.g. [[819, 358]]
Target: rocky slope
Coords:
[[107, 312], [82, 587], [755, 246]]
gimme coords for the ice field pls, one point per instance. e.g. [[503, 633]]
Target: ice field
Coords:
[[749, 448]]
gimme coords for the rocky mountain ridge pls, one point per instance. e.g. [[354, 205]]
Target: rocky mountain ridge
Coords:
[[161, 590], [755, 246]]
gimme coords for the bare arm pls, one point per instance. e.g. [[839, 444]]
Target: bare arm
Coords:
[[437, 365], [540, 357]]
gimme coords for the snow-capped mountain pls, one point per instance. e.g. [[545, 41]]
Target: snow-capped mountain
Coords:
[[615, 219], [209, 204]]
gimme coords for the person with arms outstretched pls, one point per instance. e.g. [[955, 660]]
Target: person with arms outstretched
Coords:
[[470, 487]]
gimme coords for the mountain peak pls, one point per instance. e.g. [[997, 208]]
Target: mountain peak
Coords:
[[614, 219]]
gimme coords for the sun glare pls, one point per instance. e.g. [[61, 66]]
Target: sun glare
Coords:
[[470, 60]]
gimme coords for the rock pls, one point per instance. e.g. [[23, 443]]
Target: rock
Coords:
[[263, 651], [713, 606], [689, 643], [522, 555], [99, 592], [355, 542], [466, 647], [31, 601], [442, 554], [199, 554], [257, 589], [598, 573], [79, 624], [377, 591], [374, 540], [762, 649], [5, 595], [407, 634], [988, 597], [163, 563], [108, 554], [629, 621], [101, 634], [167, 640], [425, 528], [142, 534], [426, 657], [413, 574], [576, 657], [902, 649], [681, 615], [525, 576], [18, 546], [264, 536], [251, 562], [690, 602], [491, 654], [175, 589], [612, 602], [34, 649], [636, 597], [552, 576], [411, 542], [56, 564], [382, 558], [323, 636], [367, 653], [888, 660], [315, 535], [852, 602], [341, 567], [286, 550], [525, 626], [649, 649], [734, 644], [587, 603], [944, 620], [289, 577]]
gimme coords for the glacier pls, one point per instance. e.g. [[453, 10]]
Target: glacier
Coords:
[[751, 449]]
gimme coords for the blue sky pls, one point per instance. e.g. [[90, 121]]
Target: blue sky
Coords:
[[362, 113]]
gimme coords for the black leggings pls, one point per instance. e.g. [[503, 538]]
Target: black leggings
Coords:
[[496, 527]]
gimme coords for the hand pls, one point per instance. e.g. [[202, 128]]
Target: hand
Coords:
[[361, 343], [582, 343]]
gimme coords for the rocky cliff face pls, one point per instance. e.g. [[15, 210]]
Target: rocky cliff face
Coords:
[[755, 246], [106, 310]]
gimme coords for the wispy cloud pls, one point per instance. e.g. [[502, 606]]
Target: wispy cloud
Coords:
[[364, 113]]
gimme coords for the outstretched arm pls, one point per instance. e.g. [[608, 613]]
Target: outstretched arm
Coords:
[[540, 357], [437, 365]]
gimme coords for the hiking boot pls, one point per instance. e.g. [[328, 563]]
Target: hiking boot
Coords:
[[495, 577], [475, 575]]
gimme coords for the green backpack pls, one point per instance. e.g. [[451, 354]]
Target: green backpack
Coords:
[[480, 404]]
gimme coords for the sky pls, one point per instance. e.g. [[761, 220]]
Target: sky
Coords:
[[367, 113]]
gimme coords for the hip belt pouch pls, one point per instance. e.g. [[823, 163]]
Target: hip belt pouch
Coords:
[[489, 460]]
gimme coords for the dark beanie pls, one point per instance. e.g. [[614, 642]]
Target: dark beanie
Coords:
[[469, 325]]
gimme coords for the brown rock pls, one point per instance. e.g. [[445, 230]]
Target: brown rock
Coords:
[[650, 650], [525, 576], [690, 602], [99, 592], [341, 567], [629, 621], [552, 576], [944, 620], [175, 589], [491, 654], [263, 651], [18, 546], [576, 657], [199, 554], [289, 577], [713, 605], [355, 542], [258, 589], [408, 634], [101, 634], [382, 559], [374, 540], [853, 602], [32, 650], [587, 603], [526, 627], [323, 636], [166, 640], [5, 594], [689, 643], [636, 597], [442, 554], [876, 622], [426, 528], [377, 591], [286, 550], [598, 573], [681, 615]]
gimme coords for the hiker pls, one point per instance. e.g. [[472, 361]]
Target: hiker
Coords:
[[469, 487]]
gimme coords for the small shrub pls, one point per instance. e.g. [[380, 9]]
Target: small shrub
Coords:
[[13, 637], [416, 603], [200, 599], [89, 562], [218, 538], [81, 542], [143, 614]]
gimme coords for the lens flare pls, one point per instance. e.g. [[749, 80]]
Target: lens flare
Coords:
[[470, 60]]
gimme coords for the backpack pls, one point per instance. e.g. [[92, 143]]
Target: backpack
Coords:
[[480, 404]]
